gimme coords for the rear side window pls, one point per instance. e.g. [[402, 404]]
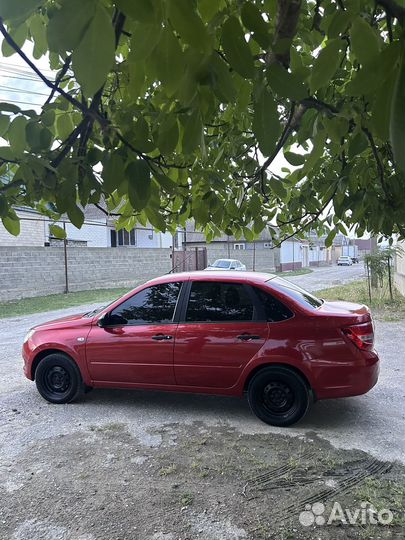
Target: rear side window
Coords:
[[275, 311], [301, 296], [212, 301], [153, 305]]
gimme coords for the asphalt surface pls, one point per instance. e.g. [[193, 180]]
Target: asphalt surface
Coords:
[[373, 422], [329, 276]]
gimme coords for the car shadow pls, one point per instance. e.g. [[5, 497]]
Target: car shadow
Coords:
[[330, 414]]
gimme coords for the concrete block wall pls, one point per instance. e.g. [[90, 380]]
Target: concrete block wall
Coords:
[[38, 271], [399, 269]]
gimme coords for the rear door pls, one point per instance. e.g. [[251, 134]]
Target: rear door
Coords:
[[218, 334], [137, 346]]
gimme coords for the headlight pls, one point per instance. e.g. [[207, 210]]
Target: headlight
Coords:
[[29, 335]]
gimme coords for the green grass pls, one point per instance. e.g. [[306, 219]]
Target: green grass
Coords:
[[39, 304], [357, 291], [299, 272]]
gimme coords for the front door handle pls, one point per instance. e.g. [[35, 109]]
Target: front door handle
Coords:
[[248, 337], [161, 337]]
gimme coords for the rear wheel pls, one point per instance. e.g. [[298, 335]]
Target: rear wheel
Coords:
[[278, 396], [58, 379]]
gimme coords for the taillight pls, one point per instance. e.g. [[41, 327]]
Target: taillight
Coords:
[[362, 335]]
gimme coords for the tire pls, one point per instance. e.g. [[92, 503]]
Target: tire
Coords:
[[278, 396], [58, 379]]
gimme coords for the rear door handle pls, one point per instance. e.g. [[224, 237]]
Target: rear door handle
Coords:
[[248, 337], [161, 337]]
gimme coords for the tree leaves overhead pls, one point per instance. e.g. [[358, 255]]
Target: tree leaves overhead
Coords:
[[93, 58], [266, 125], [237, 51], [173, 110]]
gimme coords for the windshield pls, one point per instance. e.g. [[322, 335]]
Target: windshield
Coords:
[[302, 296], [98, 309], [221, 263]]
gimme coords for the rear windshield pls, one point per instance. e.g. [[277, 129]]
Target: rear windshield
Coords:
[[301, 296]]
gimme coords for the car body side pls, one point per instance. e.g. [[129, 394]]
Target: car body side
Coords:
[[310, 342]]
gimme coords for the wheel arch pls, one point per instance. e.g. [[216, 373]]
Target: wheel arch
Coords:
[[46, 352], [296, 370]]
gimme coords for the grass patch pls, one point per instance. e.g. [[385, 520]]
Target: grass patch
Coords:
[[25, 306], [357, 291], [299, 272]]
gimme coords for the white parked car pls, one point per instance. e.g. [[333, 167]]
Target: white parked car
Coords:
[[226, 264], [344, 261]]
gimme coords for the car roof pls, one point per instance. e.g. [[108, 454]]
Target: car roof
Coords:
[[227, 260], [255, 277]]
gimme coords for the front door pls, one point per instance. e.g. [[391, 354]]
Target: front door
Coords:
[[218, 336], [137, 343]]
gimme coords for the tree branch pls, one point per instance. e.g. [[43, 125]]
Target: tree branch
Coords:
[[286, 27], [394, 9]]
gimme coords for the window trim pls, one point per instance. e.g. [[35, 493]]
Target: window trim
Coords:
[[257, 308], [175, 312]]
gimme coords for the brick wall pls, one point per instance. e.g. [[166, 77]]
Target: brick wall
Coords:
[[37, 271]]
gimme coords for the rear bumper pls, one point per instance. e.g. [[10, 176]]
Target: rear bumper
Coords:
[[348, 380]]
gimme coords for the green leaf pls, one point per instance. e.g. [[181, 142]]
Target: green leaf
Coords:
[[329, 239], [155, 218], [76, 215], [16, 135], [3, 206], [168, 61], [168, 134], [139, 10], [266, 123], [139, 183], [222, 83], [48, 117], [357, 145], [9, 107], [253, 20], [11, 223], [380, 111], [4, 123], [93, 59], [113, 173], [192, 132], [286, 84], [295, 159], [38, 33], [165, 182], [326, 64], [236, 49], [338, 23], [364, 41], [19, 35], [18, 9], [144, 39], [57, 231], [188, 24], [397, 118], [68, 24], [64, 125], [278, 188]]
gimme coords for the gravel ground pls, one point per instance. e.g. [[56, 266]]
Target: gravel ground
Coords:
[[129, 465]]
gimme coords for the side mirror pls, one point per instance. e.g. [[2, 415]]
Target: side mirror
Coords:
[[109, 319]]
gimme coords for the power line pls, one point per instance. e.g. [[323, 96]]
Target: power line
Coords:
[[6, 100], [22, 90], [20, 67]]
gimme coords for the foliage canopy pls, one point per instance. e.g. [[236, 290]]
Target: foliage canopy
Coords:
[[176, 109]]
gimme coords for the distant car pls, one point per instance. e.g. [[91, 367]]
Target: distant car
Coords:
[[215, 333], [354, 260], [344, 261], [226, 264]]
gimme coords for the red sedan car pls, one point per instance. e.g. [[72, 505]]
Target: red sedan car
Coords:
[[210, 333]]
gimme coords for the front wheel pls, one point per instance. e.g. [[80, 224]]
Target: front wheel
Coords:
[[278, 396], [58, 379]]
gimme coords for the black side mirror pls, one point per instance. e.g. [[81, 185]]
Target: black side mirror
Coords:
[[111, 319]]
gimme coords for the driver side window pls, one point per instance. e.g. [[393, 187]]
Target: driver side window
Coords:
[[154, 305]]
